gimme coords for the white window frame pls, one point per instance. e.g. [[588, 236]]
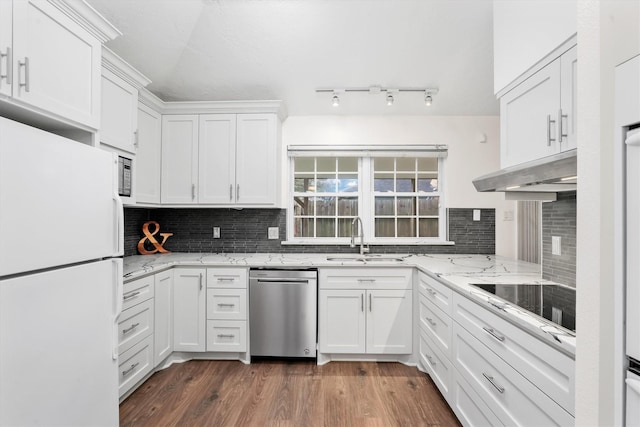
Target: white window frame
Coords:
[[366, 208]]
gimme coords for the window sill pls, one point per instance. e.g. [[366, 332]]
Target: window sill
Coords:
[[385, 243]]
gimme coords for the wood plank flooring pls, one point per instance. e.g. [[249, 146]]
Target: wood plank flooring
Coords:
[[287, 393]]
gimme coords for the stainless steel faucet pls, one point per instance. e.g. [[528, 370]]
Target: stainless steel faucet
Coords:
[[363, 249]]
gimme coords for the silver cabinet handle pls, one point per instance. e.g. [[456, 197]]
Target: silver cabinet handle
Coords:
[[231, 192], [237, 191], [131, 295], [9, 74], [193, 191], [431, 291], [370, 303], [362, 302], [226, 305], [135, 139], [200, 281], [226, 279], [430, 320], [130, 328], [226, 336], [128, 371], [493, 383], [561, 132], [493, 333], [24, 64], [366, 280], [549, 134], [430, 359]]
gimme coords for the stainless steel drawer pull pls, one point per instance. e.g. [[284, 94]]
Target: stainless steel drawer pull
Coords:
[[226, 279], [431, 291], [24, 64], [226, 336], [430, 359], [226, 305], [366, 280], [131, 295], [130, 328], [128, 371], [430, 320], [8, 75], [493, 383], [493, 333]]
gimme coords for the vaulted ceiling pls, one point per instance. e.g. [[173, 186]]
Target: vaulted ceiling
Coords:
[[215, 50]]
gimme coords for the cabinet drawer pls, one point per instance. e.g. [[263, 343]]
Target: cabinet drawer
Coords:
[[227, 335], [227, 278], [136, 291], [468, 406], [507, 393], [134, 324], [436, 324], [439, 294], [436, 364], [134, 364], [547, 368], [226, 304], [365, 278]]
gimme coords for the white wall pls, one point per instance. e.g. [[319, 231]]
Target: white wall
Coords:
[[468, 157], [608, 33]]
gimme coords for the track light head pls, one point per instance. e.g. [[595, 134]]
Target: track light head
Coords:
[[389, 100], [335, 101], [428, 99]]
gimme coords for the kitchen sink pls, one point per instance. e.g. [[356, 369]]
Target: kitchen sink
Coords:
[[365, 258]]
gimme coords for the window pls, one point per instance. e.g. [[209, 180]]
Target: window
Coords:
[[397, 194]]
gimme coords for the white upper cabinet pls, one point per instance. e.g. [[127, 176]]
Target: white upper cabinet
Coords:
[[119, 112], [148, 156], [51, 54], [525, 32], [537, 117], [220, 159]]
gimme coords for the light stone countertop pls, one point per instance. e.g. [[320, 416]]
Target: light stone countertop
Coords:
[[458, 271]]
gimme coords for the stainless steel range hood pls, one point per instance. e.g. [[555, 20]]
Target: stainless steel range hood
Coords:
[[531, 180]]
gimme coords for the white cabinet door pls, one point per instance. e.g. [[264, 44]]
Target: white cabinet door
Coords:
[[468, 406], [119, 113], [217, 159], [56, 63], [256, 159], [189, 315], [163, 327], [389, 324], [179, 159], [569, 99], [148, 156], [528, 118], [6, 47], [342, 321]]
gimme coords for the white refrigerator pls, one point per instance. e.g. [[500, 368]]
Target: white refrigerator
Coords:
[[61, 236]]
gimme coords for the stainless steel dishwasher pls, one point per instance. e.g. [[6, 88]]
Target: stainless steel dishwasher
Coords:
[[283, 312]]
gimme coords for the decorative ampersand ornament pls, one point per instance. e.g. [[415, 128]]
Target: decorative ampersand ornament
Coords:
[[149, 237]]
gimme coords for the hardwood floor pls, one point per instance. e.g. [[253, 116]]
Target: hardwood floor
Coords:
[[287, 393]]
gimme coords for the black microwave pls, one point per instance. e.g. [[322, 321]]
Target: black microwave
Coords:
[[124, 176]]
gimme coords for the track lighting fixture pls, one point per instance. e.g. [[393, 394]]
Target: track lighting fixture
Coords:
[[429, 93]]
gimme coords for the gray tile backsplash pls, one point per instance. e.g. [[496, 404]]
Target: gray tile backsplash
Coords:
[[245, 231], [559, 219]]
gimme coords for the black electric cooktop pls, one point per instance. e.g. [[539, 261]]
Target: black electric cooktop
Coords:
[[555, 303]]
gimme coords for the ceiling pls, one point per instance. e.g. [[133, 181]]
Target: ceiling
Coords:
[[215, 50]]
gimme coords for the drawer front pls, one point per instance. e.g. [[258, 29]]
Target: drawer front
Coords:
[[226, 304], [227, 335], [365, 278], [547, 368], [507, 393], [468, 406], [134, 364], [227, 278], [436, 364], [439, 294], [135, 324], [436, 324], [136, 291]]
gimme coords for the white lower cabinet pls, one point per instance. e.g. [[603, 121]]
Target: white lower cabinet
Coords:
[[365, 311], [227, 300], [134, 324], [507, 393], [436, 364], [468, 406], [189, 314], [227, 335], [134, 364], [163, 324]]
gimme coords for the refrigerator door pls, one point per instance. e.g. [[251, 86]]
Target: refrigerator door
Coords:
[[56, 363], [633, 243], [58, 201]]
